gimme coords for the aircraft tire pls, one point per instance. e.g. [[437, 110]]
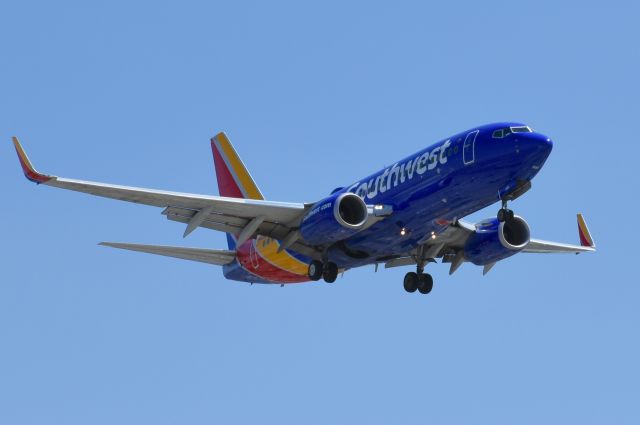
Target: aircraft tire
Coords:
[[425, 283], [411, 282], [330, 273], [315, 270]]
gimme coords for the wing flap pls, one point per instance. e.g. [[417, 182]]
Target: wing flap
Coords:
[[234, 226], [210, 256]]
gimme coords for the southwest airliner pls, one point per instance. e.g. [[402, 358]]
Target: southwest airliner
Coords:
[[408, 214]]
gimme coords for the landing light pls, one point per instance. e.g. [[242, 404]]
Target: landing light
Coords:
[[403, 231]]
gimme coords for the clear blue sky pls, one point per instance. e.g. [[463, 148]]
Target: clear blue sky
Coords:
[[313, 97]]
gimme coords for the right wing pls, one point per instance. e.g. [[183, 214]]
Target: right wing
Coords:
[[243, 217], [211, 256]]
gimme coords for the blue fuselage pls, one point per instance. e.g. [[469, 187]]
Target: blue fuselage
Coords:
[[444, 182]]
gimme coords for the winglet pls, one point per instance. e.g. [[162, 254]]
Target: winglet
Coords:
[[583, 231], [27, 168]]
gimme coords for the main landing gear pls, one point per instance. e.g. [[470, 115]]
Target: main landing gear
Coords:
[[420, 281], [504, 213], [327, 271]]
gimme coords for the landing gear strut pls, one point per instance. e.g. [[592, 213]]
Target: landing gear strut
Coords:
[[318, 270], [504, 213], [419, 281]]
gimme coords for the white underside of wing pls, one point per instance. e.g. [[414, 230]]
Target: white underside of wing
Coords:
[[545, 247], [278, 212], [210, 256]]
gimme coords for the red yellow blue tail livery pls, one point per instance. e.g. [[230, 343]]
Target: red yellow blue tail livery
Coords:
[[408, 214]]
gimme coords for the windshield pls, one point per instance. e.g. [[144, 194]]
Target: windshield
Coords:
[[504, 132]]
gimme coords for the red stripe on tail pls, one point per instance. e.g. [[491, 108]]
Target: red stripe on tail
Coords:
[[584, 240], [226, 184]]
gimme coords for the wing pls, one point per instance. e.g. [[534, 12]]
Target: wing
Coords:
[[210, 256], [545, 247], [242, 217], [449, 245]]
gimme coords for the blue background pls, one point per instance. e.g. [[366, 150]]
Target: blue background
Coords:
[[314, 96]]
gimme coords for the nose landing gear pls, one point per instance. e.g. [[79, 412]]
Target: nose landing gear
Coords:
[[504, 213]]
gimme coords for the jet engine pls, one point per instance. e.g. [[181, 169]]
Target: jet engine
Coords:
[[334, 218], [494, 241]]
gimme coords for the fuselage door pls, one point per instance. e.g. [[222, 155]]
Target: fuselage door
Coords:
[[469, 148]]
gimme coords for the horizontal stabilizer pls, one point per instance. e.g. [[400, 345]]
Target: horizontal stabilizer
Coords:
[[210, 256]]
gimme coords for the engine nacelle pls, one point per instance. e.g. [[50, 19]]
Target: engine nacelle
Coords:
[[334, 218], [494, 241]]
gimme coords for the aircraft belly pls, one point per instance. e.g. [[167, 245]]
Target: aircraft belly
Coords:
[[419, 216]]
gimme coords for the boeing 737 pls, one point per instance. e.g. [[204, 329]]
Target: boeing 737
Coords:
[[407, 214]]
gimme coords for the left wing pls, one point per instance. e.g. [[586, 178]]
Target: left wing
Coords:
[[449, 244], [544, 247], [243, 217]]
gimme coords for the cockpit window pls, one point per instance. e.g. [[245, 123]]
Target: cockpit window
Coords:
[[522, 129], [504, 132]]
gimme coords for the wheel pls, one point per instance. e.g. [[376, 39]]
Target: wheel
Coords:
[[502, 215], [315, 270], [425, 283], [330, 273], [410, 282]]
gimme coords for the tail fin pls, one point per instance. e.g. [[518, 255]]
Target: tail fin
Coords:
[[233, 177]]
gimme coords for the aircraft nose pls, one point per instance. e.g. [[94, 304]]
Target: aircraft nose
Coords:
[[538, 144], [545, 144]]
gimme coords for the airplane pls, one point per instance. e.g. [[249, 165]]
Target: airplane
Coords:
[[409, 213]]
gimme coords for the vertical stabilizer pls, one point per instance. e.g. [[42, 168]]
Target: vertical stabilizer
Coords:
[[233, 177], [584, 234]]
